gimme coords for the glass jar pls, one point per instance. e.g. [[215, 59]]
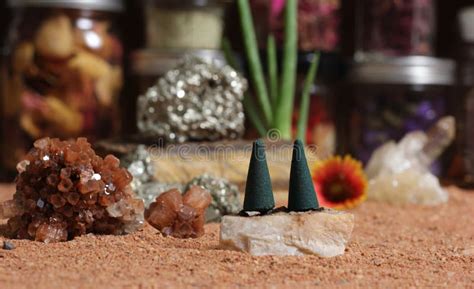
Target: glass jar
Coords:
[[64, 72], [321, 127], [3, 87], [395, 28], [318, 23], [462, 165], [392, 98], [184, 24], [321, 130], [150, 64]]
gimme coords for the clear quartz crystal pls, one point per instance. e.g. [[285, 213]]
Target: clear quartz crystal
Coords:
[[21, 166], [399, 172]]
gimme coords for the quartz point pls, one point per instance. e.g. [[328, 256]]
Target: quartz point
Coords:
[[63, 190], [399, 173], [180, 216]]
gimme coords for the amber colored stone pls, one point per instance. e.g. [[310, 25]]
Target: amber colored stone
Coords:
[[61, 193], [90, 199], [41, 144], [163, 212], [198, 198], [29, 204], [9, 209], [66, 210], [71, 156], [111, 161], [65, 185], [57, 200], [21, 166], [91, 187], [73, 198], [65, 173], [181, 216], [106, 200], [51, 232], [52, 180], [123, 178], [171, 199]]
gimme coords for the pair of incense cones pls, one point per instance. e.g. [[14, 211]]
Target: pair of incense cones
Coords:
[[258, 190]]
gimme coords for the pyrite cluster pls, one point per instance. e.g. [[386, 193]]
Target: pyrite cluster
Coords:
[[196, 101]]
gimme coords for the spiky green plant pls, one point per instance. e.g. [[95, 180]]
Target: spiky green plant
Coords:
[[275, 101]]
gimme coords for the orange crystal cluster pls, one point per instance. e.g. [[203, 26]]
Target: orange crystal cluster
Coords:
[[64, 190], [181, 216]]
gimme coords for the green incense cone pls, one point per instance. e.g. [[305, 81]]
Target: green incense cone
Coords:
[[258, 190], [301, 195]]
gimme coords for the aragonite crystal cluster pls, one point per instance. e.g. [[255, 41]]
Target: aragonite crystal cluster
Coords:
[[180, 216], [64, 189]]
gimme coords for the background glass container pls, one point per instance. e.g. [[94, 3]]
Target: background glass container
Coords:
[[63, 70], [184, 24], [2, 117], [150, 64], [321, 129], [462, 165], [318, 23], [392, 98], [395, 28]]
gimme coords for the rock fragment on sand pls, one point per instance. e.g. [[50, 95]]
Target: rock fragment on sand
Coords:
[[181, 216], [7, 245], [324, 233]]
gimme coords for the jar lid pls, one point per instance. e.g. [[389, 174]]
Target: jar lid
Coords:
[[101, 5], [411, 70], [157, 62]]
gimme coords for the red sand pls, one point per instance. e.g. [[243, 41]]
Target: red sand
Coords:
[[408, 246]]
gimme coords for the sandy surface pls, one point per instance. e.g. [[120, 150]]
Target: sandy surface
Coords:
[[407, 246]]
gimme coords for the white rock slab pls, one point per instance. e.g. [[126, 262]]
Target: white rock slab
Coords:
[[324, 233]]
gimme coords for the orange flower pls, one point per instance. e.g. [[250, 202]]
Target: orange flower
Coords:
[[340, 182]]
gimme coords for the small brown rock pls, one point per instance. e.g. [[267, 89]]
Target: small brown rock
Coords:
[[7, 245], [181, 216], [377, 261]]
